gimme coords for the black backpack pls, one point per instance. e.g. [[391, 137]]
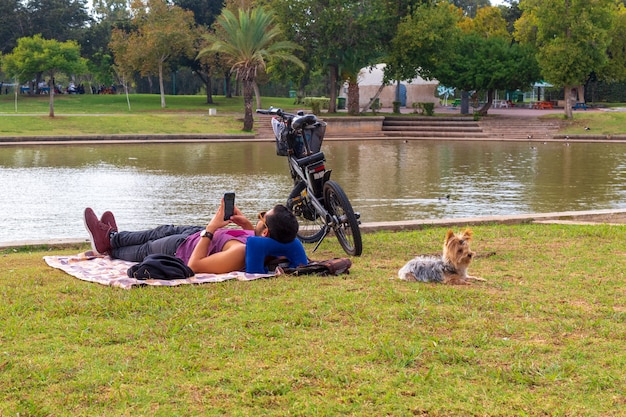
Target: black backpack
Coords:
[[160, 267]]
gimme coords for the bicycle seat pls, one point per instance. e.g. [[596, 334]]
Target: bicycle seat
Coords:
[[311, 159], [301, 121]]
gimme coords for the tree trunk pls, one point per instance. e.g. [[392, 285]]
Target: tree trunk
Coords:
[[205, 77], [373, 99], [227, 92], [485, 108], [51, 105], [581, 93], [248, 120], [161, 88], [209, 93], [568, 102], [464, 102], [257, 94], [334, 75], [353, 98]]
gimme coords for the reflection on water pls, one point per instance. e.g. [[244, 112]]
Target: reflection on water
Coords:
[[45, 188]]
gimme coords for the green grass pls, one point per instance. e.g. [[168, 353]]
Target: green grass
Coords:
[[599, 123], [544, 335], [109, 114], [116, 104], [147, 123]]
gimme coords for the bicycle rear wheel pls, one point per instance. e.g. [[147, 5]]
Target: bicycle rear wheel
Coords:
[[312, 226], [347, 228]]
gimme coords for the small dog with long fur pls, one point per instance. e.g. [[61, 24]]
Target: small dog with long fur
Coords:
[[450, 268]]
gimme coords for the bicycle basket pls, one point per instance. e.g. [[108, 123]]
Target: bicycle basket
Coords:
[[314, 135]]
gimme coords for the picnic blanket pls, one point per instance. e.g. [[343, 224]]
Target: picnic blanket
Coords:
[[91, 267]]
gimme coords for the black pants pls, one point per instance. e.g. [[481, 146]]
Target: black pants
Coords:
[[135, 246]]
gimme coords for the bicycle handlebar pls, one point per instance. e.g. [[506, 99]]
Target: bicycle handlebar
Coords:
[[277, 112], [299, 119]]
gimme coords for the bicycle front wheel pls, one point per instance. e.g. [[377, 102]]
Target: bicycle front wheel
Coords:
[[347, 227], [312, 226]]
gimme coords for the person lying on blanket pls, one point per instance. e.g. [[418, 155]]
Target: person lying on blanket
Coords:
[[211, 249]]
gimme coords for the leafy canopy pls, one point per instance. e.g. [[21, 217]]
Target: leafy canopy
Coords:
[[36, 55], [248, 42]]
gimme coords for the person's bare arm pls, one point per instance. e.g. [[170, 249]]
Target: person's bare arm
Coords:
[[233, 255]]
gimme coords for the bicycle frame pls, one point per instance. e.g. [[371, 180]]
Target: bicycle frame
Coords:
[[314, 179], [320, 204]]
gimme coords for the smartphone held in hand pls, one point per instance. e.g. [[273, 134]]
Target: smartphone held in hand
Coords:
[[229, 205]]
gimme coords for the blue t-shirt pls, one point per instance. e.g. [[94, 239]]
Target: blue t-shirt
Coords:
[[258, 248]]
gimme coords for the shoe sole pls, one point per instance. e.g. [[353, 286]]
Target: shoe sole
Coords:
[[91, 238]]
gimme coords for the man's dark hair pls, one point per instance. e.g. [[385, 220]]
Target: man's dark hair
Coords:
[[282, 224]]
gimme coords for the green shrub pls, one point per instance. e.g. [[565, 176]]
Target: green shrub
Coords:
[[427, 108], [317, 103]]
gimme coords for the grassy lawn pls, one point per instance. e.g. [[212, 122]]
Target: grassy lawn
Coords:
[[544, 336], [147, 123], [599, 123], [109, 114], [117, 104]]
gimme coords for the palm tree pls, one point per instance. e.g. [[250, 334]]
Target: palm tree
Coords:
[[249, 42]]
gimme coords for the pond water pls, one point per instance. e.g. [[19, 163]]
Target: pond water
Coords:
[[46, 188]]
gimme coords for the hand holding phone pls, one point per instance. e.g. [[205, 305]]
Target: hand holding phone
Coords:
[[229, 205]]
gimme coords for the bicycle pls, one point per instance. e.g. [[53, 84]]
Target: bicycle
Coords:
[[319, 203]]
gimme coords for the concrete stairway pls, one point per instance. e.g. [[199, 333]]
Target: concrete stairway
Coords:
[[263, 127], [432, 128], [519, 127], [496, 127]]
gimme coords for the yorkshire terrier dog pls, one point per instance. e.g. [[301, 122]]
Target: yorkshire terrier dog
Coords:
[[450, 268]]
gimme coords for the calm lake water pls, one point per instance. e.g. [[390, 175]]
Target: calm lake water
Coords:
[[46, 188]]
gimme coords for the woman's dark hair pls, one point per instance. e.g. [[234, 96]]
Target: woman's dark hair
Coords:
[[282, 224]]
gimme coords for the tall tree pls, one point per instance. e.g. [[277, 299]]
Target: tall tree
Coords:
[[248, 42], [341, 36], [437, 41], [163, 34], [616, 69], [487, 64], [36, 55], [204, 12], [572, 39], [57, 19], [12, 24], [424, 39]]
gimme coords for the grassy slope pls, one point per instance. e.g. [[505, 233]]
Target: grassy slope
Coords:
[[544, 336]]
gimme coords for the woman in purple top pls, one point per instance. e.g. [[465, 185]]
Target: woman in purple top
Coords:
[[211, 249]]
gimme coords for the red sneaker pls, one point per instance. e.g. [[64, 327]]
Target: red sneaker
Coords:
[[98, 232], [108, 218]]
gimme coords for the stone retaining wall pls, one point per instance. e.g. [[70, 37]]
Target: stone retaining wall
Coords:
[[342, 126]]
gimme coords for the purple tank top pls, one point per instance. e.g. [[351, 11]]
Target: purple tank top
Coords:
[[220, 237]]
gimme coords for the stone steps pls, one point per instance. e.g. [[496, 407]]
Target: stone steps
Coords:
[[432, 128], [437, 128], [527, 127]]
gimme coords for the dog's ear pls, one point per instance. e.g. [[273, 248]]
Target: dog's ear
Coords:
[[467, 234], [449, 235]]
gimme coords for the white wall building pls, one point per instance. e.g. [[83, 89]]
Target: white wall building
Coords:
[[417, 90]]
